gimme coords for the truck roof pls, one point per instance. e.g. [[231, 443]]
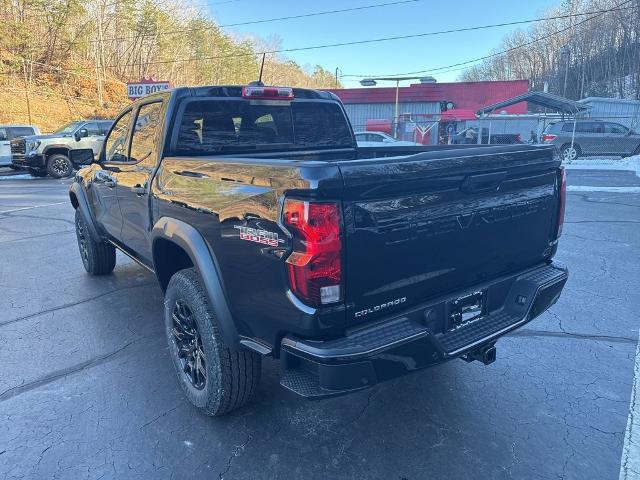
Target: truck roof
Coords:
[[236, 91]]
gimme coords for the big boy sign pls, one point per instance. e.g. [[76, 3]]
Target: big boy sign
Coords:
[[145, 87]]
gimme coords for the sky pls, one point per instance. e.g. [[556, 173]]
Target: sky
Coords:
[[384, 58]]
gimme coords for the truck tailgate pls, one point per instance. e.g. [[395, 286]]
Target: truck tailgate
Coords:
[[420, 226]]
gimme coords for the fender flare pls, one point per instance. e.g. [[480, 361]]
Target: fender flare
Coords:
[[192, 242], [78, 192], [60, 146]]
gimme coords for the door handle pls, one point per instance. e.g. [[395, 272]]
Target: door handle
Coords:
[[139, 189]]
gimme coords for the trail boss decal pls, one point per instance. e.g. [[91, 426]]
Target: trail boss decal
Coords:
[[258, 236], [382, 306]]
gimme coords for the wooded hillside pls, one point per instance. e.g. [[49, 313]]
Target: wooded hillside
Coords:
[[599, 53], [73, 58]]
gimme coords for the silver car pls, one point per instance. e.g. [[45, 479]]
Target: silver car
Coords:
[[380, 139], [592, 137]]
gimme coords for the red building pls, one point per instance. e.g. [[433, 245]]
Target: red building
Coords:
[[420, 104]]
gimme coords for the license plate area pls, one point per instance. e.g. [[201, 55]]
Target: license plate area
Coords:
[[465, 310]]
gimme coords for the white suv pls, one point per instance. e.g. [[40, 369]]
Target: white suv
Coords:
[[8, 133]]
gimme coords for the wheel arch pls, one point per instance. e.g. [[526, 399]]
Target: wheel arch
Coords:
[[56, 149], [175, 239], [78, 200], [576, 145]]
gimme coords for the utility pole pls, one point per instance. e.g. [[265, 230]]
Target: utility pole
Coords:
[[566, 54], [99, 50], [26, 89], [336, 83]]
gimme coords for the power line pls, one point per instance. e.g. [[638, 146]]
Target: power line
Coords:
[[72, 72], [239, 24], [385, 39], [497, 54], [359, 42]]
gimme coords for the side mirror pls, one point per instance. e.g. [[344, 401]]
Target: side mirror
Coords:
[[82, 133]]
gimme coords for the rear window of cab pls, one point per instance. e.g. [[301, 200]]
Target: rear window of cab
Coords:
[[208, 126]]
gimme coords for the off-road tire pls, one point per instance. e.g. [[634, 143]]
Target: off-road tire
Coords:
[[232, 375], [59, 166], [38, 173], [98, 258]]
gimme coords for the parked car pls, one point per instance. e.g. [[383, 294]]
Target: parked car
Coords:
[[73, 145], [8, 133], [495, 139], [271, 235], [380, 139], [592, 137]]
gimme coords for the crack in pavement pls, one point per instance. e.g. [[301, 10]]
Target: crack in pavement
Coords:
[[237, 451], [61, 232], [53, 376], [588, 199], [564, 334], [72, 304], [36, 217], [155, 419]]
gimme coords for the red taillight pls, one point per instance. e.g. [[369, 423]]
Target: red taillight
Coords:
[[563, 200], [267, 93], [548, 138], [315, 265], [518, 137]]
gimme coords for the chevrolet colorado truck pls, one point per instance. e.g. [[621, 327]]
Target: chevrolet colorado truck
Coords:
[[272, 234], [57, 154]]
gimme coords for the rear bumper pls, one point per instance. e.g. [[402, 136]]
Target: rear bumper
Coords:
[[28, 161], [416, 338]]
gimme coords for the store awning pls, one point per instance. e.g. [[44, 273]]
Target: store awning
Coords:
[[457, 114]]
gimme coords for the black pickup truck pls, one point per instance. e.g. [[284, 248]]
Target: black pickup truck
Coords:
[[271, 233]]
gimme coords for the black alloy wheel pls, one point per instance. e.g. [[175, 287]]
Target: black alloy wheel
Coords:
[[81, 232], [189, 344]]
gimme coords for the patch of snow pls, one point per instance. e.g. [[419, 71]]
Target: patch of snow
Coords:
[[586, 188], [15, 177], [631, 164]]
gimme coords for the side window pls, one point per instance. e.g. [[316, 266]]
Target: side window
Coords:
[[143, 143], [92, 129], [3, 135], [16, 132], [597, 127], [585, 127], [117, 141], [614, 128], [104, 127]]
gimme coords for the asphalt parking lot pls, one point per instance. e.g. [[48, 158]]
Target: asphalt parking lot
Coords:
[[87, 389]]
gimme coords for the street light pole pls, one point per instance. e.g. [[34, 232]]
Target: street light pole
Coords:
[[395, 123], [371, 82], [337, 69]]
